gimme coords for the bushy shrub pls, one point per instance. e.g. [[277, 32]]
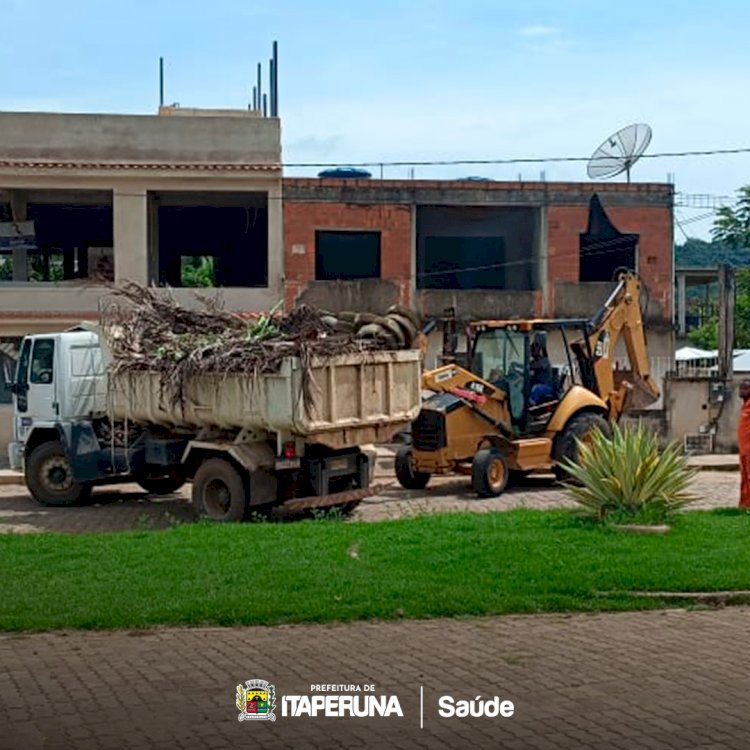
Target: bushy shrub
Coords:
[[628, 478]]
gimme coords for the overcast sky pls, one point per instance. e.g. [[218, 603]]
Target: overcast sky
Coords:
[[402, 80]]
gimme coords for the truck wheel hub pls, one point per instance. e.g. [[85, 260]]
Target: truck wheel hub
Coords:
[[57, 474], [217, 498]]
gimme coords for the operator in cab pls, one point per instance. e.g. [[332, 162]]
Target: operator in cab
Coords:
[[542, 375]]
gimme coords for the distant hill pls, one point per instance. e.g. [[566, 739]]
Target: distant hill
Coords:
[[700, 254]]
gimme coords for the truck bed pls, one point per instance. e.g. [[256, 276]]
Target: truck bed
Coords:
[[356, 398]]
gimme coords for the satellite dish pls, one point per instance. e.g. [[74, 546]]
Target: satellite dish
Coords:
[[619, 152]]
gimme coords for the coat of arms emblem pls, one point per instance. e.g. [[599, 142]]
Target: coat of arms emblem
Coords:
[[256, 700]]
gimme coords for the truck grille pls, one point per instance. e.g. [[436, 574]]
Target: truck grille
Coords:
[[428, 431]]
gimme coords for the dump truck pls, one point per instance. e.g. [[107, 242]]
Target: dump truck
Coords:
[[506, 410], [247, 442]]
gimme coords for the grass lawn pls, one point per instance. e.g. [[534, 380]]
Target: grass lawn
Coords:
[[433, 566]]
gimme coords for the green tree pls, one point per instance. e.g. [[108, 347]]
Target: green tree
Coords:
[[732, 223], [198, 271], [697, 253], [731, 230], [707, 336], [6, 267]]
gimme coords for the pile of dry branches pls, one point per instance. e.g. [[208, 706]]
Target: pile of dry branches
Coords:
[[148, 330]]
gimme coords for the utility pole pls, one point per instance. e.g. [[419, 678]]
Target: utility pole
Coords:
[[726, 322]]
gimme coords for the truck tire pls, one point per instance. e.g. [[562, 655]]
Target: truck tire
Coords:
[[582, 426], [219, 491], [161, 485], [489, 473], [50, 478], [407, 477]]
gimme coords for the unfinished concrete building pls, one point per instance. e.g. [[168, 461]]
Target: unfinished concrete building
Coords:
[[186, 198]]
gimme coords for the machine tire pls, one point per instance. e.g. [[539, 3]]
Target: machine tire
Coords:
[[489, 473], [163, 485], [578, 427], [219, 491], [407, 477], [58, 489]]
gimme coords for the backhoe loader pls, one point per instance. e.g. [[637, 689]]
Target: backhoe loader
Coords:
[[512, 412]]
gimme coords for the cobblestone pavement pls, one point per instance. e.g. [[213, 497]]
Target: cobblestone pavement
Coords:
[[127, 507], [667, 679]]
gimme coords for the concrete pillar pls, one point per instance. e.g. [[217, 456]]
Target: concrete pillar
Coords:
[[20, 255], [681, 304], [413, 290], [275, 241], [540, 255], [130, 209]]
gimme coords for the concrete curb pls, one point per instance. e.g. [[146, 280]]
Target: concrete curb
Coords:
[[386, 466], [8, 477]]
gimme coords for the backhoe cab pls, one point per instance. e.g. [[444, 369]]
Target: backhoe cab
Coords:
[[512, 410]]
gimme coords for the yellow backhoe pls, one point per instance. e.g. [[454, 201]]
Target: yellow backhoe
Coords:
[[512, 411]]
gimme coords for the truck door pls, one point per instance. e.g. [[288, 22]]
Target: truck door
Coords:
[[35, 381]]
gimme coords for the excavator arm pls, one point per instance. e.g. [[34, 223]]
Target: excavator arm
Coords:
[[621, 316]]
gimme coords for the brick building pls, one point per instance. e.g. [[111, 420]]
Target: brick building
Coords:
[[489, 249]]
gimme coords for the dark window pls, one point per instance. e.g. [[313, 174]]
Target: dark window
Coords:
[[602, 258], [603, 249], [42, 361], [69, 240], [347, 255], [462, 263], [213, 245]]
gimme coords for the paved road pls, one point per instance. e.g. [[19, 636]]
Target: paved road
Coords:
[[128, 507], [671, 679]]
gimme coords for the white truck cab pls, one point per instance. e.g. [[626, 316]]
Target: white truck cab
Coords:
[[59, 380]]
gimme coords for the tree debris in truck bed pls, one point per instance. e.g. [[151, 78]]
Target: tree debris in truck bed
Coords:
[[147, 330]]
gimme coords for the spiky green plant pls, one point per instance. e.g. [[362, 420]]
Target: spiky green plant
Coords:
[[628, 478]]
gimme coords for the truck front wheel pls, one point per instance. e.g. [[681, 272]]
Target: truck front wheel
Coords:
[[50, 478], [219, 491]]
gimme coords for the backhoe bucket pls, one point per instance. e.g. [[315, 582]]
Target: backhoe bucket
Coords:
[[641, 393]]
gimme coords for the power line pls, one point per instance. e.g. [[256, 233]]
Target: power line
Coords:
[[520, 160]]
